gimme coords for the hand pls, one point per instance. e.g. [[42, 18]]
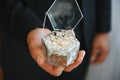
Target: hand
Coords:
[[100, 48], [35, 47], [77, 62]]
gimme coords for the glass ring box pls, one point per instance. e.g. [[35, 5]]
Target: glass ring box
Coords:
[[61, 45]]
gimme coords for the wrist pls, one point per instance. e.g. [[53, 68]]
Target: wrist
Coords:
[[102, 35]]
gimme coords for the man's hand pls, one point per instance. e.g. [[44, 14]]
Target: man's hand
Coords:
[[100, 48], [35, 47]]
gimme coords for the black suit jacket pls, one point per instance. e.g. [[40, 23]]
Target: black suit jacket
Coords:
[[19, 17]]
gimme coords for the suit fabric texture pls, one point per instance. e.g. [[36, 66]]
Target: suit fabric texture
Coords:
[[19, 17]]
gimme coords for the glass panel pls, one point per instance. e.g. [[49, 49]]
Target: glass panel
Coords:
[[64, 14], [61, 46]]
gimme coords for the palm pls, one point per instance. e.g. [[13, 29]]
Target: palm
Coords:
[[35, 47]]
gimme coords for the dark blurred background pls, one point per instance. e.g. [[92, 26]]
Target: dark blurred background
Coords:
[[110, 69]]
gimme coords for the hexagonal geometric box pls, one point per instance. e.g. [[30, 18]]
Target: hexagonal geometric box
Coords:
[[61, 45], [64, 14]]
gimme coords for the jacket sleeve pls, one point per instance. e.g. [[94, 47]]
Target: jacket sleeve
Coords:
[[0, 55], [0, 48], [18, 19], [103, 10]]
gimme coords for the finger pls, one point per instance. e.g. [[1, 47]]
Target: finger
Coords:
[[37, 55], [102, 56], [77, 62], [40, 59], [53, 70], [95, 50], [57, 70]]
